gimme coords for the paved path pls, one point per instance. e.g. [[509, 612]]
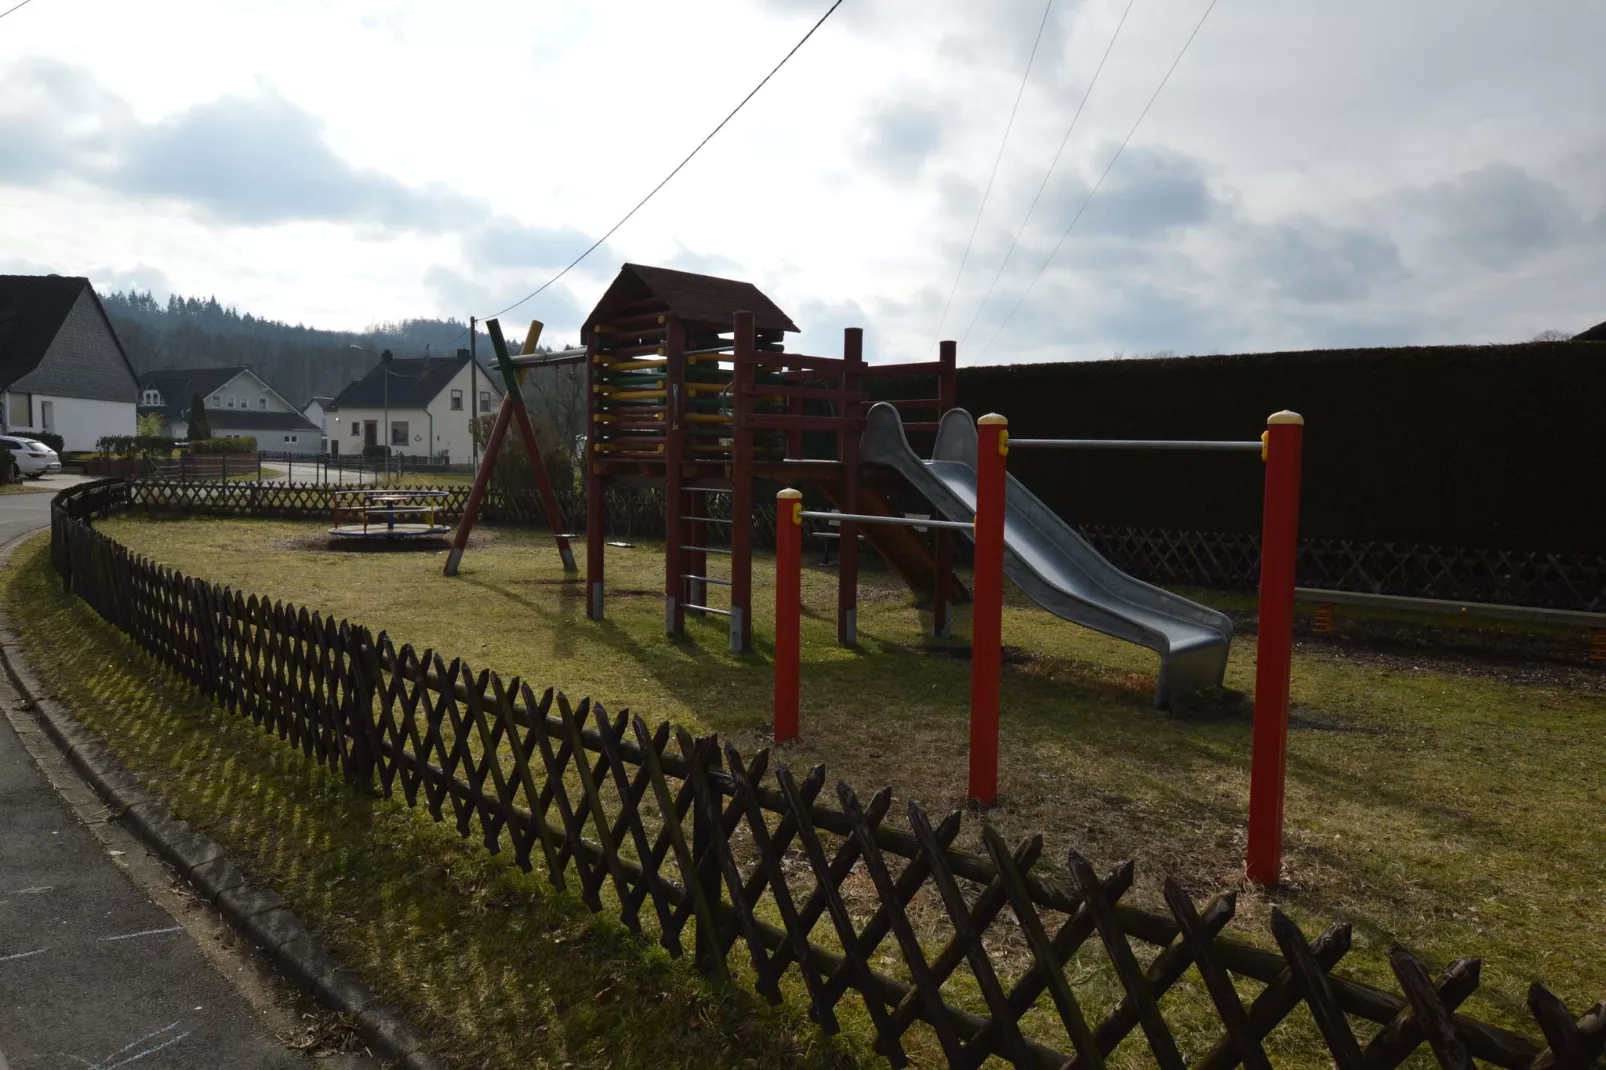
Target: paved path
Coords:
[[30, 509], [93, 971]]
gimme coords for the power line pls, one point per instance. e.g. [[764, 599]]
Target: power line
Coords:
[[14, 7], [1092, 192], [994, 174], [1066, 140], [639, 204]]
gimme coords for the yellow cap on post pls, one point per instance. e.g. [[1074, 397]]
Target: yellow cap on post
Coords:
[[992, 419], [1284, 417], [795, 499]]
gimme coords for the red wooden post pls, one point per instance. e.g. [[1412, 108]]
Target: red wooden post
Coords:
[[943, 540], [851, 410], [596, 502], [1279, 549], [674, 500], [741, 544], [987, 607], [476, 495], [788, 609]]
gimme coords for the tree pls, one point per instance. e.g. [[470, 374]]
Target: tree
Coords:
[[1552, 336], [150, 425], [200, 426]]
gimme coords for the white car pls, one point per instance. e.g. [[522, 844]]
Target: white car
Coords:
[[34, 459]]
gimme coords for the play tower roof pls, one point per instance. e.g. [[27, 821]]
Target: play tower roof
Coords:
[[701, 302]]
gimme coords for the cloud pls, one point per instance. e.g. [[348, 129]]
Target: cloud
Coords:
[[257, 160], [1313, 261], [1497, 215], [705, 263], [557, 308], [139, 277], [1151, 191], [899, 136], [506, 242]]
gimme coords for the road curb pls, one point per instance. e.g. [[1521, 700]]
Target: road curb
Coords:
[[259, 914]]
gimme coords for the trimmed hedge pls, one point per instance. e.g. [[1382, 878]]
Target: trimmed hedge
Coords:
[[1488, 446], [49, 438], [237, 444], [134, 445]]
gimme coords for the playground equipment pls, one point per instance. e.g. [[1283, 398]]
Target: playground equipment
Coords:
[[512, 411], [692, 392], [1054, 565], [387, 514], [1015, 534]]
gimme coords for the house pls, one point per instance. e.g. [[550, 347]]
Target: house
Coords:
[[317, 410], [425, 406], [62, 368], [237, 402]]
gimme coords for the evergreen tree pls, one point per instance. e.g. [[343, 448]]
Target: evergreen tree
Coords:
[[200, 426]]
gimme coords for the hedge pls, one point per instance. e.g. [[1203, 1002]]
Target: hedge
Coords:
[[237, 444], [1492, 446]]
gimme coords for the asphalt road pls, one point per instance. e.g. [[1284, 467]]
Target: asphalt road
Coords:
[[92, 973], [22, 513]]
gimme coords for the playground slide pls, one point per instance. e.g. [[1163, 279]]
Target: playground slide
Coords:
[[1054, 565]]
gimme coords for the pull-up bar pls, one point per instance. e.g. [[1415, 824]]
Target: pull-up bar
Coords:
[[891, 521], [1201, 445]]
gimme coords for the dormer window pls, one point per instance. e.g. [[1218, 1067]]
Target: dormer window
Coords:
[[151, 397]]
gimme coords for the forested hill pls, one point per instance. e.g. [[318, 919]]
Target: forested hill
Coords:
[[299, 362]]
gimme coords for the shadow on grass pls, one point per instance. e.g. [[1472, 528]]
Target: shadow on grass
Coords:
[[498, 969]]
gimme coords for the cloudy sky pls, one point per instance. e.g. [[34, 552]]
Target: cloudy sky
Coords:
[[1371, 172]]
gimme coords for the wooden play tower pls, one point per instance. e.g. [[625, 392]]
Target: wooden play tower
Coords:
[[692, 391]]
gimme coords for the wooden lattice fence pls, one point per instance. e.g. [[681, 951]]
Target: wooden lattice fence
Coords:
[[744, 866], [1220, 560]]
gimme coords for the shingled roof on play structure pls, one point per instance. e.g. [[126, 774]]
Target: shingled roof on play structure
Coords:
[[696, 300]]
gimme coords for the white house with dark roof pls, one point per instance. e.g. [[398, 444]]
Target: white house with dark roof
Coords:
[[419, 406], [237, 403], [62, 369]]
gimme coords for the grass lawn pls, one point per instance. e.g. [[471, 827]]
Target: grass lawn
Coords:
[[1428, 804], [498, 970]]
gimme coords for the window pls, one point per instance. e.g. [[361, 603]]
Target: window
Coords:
[[356, 428], [262, 403], [485, 401], [151, 397], [217, 401], [457, 401], [231, 402], [398, 432], [21, 409], [291, 438]]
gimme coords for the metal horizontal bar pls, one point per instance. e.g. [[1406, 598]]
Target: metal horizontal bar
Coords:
[[562, 356], [706, 579], [706, 490], [891, 521], [925, 367], [1536, 614], [706, 609], [707, 550], [1205, 445], [707, 519], [726, 348]]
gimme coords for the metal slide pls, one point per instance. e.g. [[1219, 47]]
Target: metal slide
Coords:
[[1053, 564]]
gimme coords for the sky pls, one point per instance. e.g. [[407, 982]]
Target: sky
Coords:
[[1312, 174]]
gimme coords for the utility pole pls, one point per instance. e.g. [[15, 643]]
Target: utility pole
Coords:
[[473, 395]]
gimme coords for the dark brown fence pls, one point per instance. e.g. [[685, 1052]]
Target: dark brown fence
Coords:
[[1224, 561], [762, 874]]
